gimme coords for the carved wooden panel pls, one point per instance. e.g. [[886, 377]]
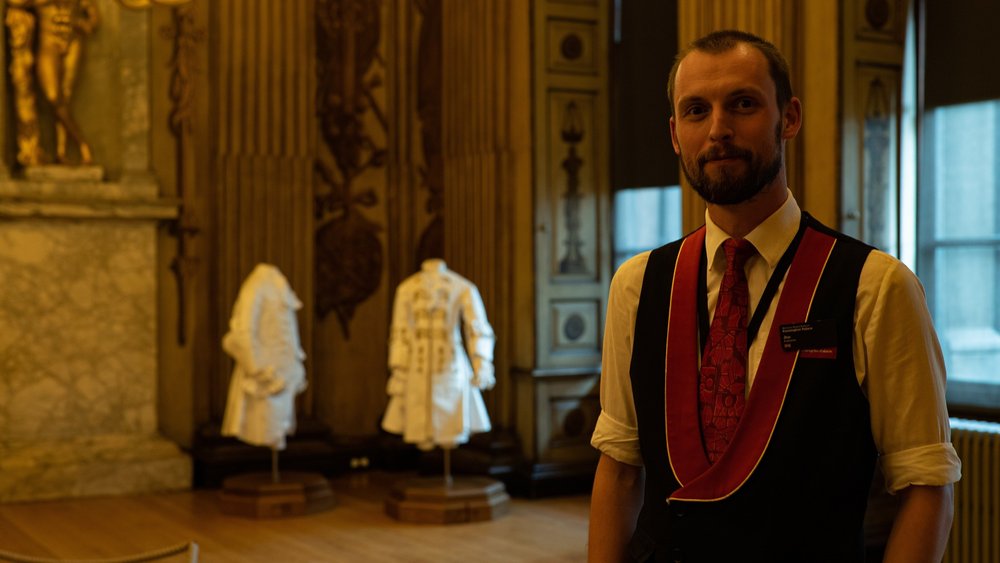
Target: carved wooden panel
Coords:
[[871, 86], [575, 171], [485, 117], [349, 255], [572, 185], [431, 241], [572, 46], [880, 20], [414, 193], [879, 91], [572, 420], [568, 408], [185, 36], [572, 179], [575, 327], [355, 61]]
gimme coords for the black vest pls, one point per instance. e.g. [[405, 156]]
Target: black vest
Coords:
[[804, 499]]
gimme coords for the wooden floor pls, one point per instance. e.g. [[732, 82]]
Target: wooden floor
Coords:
[[540, 531]]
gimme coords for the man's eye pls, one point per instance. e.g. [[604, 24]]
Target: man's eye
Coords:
[[745, 103], [695, 111]]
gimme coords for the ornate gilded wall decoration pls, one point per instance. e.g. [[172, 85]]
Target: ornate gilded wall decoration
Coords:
[[148, 3], [61, 27], [21, 32], [572, 134], [431, 244], [182, 63], [877, 165], [349, 253]]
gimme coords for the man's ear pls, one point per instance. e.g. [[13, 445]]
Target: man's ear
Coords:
[[791, 119], [673, 136]]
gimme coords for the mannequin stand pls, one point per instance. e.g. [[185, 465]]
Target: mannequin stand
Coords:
[[448, 482], [431, 500], [275, 495]]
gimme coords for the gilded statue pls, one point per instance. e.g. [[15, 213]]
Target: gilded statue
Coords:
[[21, 26], [62, 26]]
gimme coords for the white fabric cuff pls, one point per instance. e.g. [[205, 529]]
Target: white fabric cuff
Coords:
[[933, 465], [616, 440]]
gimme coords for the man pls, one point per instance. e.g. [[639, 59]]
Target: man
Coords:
[[756, 370]]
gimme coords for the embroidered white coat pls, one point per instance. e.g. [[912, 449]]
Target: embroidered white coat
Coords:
[[263, 338], [434, 388]]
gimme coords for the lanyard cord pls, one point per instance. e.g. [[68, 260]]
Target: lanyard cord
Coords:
[[765, 298]]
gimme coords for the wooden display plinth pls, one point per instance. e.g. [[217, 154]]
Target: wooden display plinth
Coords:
[[429, 501], [256, 495]]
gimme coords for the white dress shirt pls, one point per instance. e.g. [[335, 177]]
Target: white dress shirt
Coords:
[[896, 354]]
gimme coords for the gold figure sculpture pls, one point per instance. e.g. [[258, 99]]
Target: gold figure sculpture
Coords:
[[21, 26], [62, 26], [136, 4]]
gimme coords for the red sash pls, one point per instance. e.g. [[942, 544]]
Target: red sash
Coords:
[[700, 481]]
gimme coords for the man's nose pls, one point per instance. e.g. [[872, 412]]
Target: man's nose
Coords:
[[721, 129]]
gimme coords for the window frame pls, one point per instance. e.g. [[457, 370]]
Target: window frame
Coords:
[[966, 398]]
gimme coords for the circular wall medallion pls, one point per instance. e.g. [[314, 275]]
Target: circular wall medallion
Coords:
[[574, 327], [571, 47], [877, 12]]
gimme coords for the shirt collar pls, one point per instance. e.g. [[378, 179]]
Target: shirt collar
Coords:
[[771, 238]]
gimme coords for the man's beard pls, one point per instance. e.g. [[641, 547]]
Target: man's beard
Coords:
[[733, 188]]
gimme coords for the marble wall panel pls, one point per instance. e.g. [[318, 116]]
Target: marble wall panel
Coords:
[[92, 466], [77, 329]]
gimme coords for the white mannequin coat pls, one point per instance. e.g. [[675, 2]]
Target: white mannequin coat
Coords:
[[263, 338], [434, 388]]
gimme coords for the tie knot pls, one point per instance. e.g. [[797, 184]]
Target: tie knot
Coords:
[[738, 251]]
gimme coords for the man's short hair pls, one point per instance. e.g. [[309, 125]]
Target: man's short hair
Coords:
[[725, 40]]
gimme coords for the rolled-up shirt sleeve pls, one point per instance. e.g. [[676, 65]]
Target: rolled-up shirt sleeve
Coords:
[[616, 433], [901, 369]]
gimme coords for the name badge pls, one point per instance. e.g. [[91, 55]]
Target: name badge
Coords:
[[816, 339]]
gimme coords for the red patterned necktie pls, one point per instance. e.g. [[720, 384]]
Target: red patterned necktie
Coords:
[[722, 386]]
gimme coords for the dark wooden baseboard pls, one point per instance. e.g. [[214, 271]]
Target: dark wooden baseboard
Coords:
[[497, 454], [538, 480], [312, 448]]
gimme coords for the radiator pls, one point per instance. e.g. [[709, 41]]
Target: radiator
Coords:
[[975, 535]]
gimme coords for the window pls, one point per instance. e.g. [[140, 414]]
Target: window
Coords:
[[645, 218], [959, 243], [957, 248], [647, 203]]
